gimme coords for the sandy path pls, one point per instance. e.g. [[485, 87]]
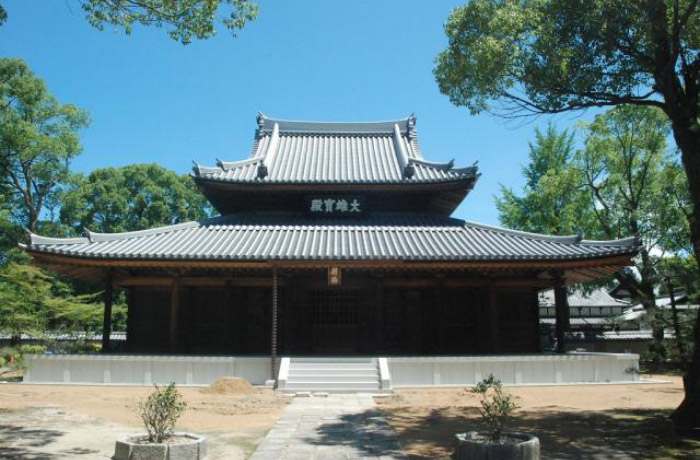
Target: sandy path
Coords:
[[55, 421], [579, 421]]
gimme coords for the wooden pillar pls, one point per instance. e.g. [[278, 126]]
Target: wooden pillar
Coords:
[[273, 331], [561, 312], [107, 320], [538, 327], [493, 318], [379, 314], [174, 313], [130, 313]]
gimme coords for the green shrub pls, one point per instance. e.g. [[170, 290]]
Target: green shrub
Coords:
[[160, 411], [32, 349], [496, 406]]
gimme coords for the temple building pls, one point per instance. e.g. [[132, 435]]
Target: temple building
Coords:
[[334, 239]]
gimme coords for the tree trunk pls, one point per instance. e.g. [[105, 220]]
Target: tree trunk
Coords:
[[687, 136]]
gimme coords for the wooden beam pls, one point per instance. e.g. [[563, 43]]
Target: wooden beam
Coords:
[[496, 266], [209, 281], [107, 319]]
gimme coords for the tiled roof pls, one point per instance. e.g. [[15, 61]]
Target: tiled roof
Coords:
[[579, 298], [330, 153], [402, 237]]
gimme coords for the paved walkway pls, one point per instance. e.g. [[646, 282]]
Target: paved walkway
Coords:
[[330, 428]]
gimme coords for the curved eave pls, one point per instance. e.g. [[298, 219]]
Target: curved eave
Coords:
[[519, 261], [261, 184]]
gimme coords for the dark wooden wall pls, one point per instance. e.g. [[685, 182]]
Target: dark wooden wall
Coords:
[[363, 317]]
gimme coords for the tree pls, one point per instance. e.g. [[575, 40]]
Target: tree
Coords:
[[629, 176], [529, 57], [183, 19], [33, 301], [553, 199], [133, 197], [38, 140]]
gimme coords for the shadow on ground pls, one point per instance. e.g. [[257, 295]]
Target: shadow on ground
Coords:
[[366, 433], [564, 435], [17, 443]]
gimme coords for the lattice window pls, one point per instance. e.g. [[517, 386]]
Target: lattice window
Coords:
[[335, 307]]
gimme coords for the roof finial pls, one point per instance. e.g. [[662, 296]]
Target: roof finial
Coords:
[[262, 170], [260, 118], [411, 126], [409, 170]]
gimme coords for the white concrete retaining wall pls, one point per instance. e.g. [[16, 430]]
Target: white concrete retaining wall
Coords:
[[143, 370], [403, 371], [514, 369]]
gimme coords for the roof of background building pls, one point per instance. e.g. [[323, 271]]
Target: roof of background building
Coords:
[[579, 298], [287, 152], [399, 237]]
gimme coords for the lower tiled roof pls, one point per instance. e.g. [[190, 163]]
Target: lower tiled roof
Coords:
[[401, 237]]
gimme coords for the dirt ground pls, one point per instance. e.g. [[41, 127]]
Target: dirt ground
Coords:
[[572, 422], [67, 421]]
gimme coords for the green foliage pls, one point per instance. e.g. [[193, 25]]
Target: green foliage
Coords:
[[24, 292], [13, 356], [550, 56], [160, 411], [38, 140], [682, 271], [553, 200], [33, 301], [183, 19], [497, 406], [622, 183], [133, 197]]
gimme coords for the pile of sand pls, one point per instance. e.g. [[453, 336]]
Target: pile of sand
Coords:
[[230, 386]]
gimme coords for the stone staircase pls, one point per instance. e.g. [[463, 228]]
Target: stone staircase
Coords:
[[331, 375]]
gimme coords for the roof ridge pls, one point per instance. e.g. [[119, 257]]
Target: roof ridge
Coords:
[[94, 237], [570, 239]]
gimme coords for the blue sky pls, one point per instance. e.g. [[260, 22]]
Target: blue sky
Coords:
[[153, 100]]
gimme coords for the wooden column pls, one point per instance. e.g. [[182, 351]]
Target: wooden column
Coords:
[[273, 331], [493, 318], [174, 313], [561, 310], [379, 314], [107, 320]]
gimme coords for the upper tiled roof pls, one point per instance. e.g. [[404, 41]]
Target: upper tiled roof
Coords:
[[403, 237], [313, 152]]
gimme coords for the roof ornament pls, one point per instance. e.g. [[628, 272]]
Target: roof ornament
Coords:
[[262, 170], [411, 124], [195, 168], [260, 119], [451, 164], [579, 237], [409, 170]]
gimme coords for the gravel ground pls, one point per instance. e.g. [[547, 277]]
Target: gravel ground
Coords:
[[57, 422]]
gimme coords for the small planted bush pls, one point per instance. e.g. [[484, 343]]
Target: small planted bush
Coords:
[[496, 406], [160, 411]]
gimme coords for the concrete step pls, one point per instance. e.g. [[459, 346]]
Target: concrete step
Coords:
[[333, 371], [318, 386], [333, 360], [332, 378], [332, 366]]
